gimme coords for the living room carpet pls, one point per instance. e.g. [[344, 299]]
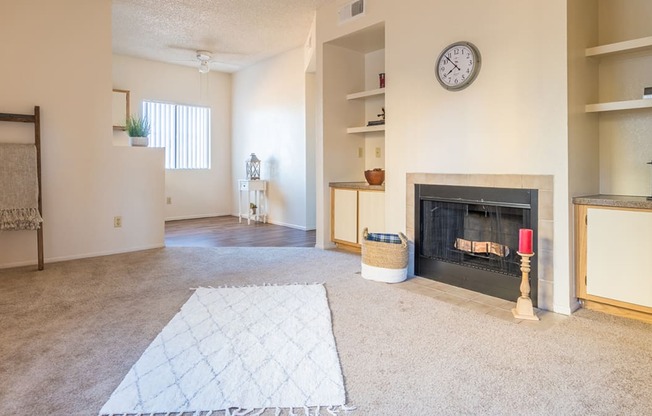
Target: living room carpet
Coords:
[[239, 350], [71, 332]]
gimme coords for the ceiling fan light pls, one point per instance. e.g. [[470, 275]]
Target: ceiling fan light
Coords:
[[203, 56], [203, 67]]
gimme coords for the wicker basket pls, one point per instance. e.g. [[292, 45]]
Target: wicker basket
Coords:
[[384, 257]]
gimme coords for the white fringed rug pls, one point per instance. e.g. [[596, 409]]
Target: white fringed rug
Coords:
[[239, 351]]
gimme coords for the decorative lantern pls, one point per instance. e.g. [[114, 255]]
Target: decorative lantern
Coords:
[[253, 167]]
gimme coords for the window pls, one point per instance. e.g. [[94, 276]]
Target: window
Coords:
[[184, 131]]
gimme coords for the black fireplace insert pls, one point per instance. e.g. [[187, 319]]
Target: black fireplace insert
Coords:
[[467, 236]]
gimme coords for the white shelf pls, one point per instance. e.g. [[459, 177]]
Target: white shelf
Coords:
[[365, 129], [365, 94], [620, 47], [619, 105]]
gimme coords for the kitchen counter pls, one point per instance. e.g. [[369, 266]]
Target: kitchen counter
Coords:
[[616, 201], [359, 186]]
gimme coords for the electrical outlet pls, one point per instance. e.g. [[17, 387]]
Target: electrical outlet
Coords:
[[117, 222], [378, 152], [360, 152], [169, 200]]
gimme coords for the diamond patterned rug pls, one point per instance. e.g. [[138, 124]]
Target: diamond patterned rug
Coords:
[[239, 350]]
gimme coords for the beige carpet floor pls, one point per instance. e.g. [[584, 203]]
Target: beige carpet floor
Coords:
[[69, 334]]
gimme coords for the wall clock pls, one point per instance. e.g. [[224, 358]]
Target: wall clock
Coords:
[[458, 65]]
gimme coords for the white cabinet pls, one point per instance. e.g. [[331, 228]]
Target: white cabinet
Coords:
[[371, 212], [613, 260], [345, 216], [618, 260], [353, 210]]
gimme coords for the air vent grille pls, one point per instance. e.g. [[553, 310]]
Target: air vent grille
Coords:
[[357, 8], [351, 10]]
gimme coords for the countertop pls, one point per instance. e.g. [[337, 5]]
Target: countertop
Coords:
[[360, 186], [617, 201]]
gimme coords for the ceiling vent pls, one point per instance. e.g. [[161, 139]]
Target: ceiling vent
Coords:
[[351, 10]]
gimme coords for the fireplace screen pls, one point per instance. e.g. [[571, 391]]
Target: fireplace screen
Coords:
[[472, 235], [468, 236]]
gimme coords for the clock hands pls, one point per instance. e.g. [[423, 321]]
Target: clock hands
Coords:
[[454, 66], [449, 60]]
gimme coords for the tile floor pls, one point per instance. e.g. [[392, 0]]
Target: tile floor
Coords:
[[477, 302]]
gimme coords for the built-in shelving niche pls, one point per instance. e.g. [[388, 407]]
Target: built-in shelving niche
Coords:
[[629, 46], [353, 97], [363, 95]]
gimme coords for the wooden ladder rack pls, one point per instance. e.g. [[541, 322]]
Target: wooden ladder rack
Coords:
[[36, 120]]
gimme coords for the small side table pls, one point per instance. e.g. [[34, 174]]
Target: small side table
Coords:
[[259, 189]]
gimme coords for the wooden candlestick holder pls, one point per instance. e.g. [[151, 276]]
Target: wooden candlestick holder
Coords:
[[524, 308]]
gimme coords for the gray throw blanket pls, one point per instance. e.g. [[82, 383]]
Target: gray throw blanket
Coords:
[[18, 188]]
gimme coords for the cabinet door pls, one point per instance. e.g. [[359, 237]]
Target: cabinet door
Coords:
[[345, 215], [371, 207], [618, 255]]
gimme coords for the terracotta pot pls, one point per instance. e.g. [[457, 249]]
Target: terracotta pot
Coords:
[[374, 177]]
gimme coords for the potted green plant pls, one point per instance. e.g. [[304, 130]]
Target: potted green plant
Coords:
[[252, 207], [138, 129]]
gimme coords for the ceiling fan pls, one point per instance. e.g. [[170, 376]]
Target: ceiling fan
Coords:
[[204, 58]]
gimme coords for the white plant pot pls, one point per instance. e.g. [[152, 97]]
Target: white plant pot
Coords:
[[139, 141]]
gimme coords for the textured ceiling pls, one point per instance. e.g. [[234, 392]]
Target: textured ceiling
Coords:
[[236, 32]]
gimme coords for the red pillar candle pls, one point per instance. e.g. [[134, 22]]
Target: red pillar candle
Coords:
[[525, 241]]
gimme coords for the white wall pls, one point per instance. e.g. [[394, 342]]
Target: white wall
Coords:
[[583, 143], [311, 199], [269, 119], [582, 89], [512, 120], [58, 55], [194, 193]]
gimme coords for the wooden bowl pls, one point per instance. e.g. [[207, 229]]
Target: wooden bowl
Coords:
[[374, 177]]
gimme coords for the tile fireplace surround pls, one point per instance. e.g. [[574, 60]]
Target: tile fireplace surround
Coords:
[[544, 184]]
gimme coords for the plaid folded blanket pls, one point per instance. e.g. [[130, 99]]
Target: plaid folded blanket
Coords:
[[384, 238]]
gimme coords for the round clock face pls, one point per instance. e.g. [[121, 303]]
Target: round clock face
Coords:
[[458, 65]]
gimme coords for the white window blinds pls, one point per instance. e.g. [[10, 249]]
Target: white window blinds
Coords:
[[183, 130]]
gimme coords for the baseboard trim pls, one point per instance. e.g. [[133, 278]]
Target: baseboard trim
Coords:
[[562, 309], [194, 217], [283, 224], [49, 260], [326, 246]]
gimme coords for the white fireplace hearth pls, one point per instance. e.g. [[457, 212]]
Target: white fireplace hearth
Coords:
[[545, 226]]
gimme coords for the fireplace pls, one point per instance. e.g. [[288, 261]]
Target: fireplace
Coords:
[[467, 236]]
